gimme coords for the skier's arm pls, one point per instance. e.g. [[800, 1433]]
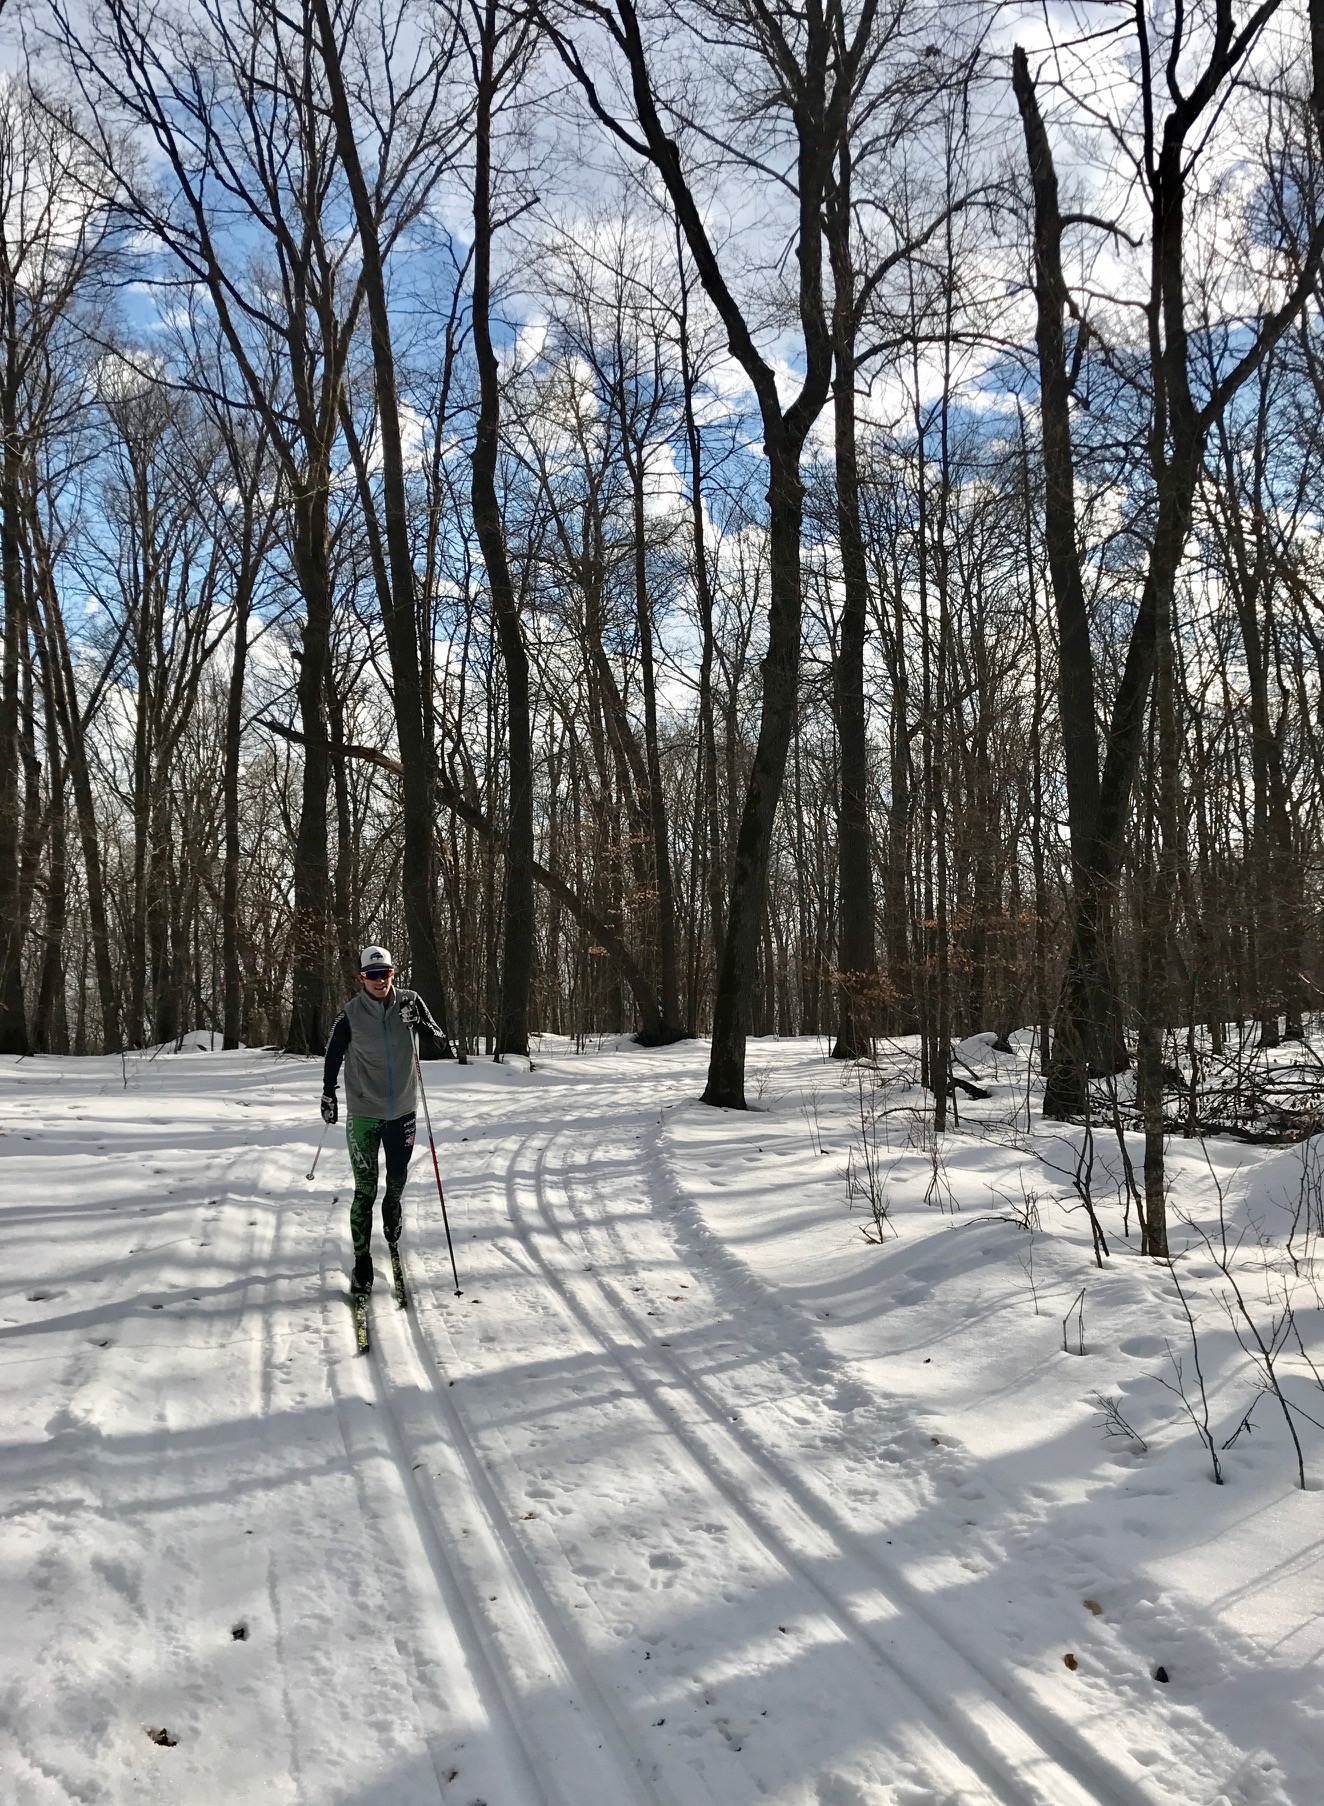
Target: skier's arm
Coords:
[[336, 1049], [415, 1014], [423, 1015]]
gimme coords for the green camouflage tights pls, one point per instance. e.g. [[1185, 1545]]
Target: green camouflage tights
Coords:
[[365, 1135]]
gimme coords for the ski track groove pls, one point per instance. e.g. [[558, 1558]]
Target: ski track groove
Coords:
[[628, 1352], [1078, 1761], [622, 1777], [420, 1558], [1000, 1747], [279, 1236], [556, 1719], [954, 1771]]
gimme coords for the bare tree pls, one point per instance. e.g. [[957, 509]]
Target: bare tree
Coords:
[[1200, 72], [55, 238], [234, 101], [809, 66], [410, 114]]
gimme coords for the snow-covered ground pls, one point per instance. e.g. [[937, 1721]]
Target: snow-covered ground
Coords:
[[695, 1497]]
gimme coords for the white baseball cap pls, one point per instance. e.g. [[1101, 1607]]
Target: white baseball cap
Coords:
[[374, 956]]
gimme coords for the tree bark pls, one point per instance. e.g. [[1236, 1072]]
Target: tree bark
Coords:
[[14, 1038], [400, 615], [818, 98], [72, 728], [670, 1029], [232, 978], [50, 1025], [1089, 1036], [1176, 441], [311, 928], [1274, 878], [709, 847], [512, 1029], [857, 963], [749, 876]]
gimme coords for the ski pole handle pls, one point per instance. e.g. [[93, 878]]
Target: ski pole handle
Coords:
[[318, 1155]]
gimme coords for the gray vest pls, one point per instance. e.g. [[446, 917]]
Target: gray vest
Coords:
[[379, 1061]]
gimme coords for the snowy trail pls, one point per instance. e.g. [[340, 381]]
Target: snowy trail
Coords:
[[641, 1519], [573, 1751], [1019, 1761], [959, 1742], [1037, 1756], [206, 1265], [449, 1675], [570, 1238]]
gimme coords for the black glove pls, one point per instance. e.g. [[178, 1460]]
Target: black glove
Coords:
[[410, 1014], [329, 1108]]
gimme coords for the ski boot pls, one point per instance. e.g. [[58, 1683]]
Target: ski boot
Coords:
[[398, 1274], [361, 1280]]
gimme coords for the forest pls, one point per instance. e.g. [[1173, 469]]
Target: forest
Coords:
[[681, 517]]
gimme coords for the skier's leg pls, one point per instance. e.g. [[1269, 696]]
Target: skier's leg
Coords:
[[363, 1135], [398, 1142]]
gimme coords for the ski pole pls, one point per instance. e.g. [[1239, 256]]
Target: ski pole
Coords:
[[318, 1155], [441, 1196]]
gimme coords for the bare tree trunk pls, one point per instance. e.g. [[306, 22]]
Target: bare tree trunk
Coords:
[[50, 1025], [708, 815], [1156, 1003], [160, 939], [749, 875], [232, 978], [1178, 430], [1037, 823], [815, 82], [896, 915], [857, 976], [311, 933], [401, 611], [14, 1037], [1274, 881], [75, 751], [346, 897], [512, 1032], [1089, 1035], [668, 976], [943, 769]]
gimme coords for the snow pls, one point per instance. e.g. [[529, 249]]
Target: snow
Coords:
[[696, 1496]]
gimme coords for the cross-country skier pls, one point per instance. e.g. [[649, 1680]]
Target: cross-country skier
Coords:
[[374, 1037]]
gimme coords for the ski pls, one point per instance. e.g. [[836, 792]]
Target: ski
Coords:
[[359, 1304], [398, 1278]]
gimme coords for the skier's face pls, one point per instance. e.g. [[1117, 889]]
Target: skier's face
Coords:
[[377, 982]]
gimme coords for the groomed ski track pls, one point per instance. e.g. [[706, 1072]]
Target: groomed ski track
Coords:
[[628, 1523], [585, 1233]]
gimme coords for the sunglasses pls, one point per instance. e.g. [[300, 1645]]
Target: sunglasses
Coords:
[[379, 974]]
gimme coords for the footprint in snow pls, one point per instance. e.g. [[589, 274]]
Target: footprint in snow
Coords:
[[1143, 1347], [663, 1559]]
